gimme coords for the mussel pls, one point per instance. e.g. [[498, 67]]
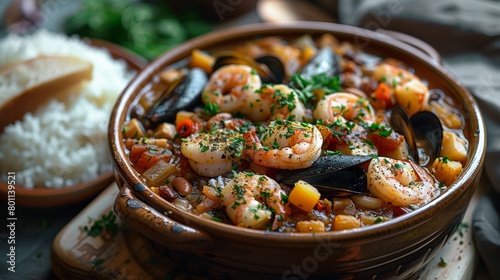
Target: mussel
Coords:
[[275, 65], [183, 94], [423, 130], [428, 132], [402, 125], [270, 68], [325, 61], [337, 175]]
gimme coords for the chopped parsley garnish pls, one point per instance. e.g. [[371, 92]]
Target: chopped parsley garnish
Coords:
[[462, 227], [283, 100], [331, 153], [305, 87], [204, 148], [265, 194], [380, 129], [394, 83], [384, 133], [370, 143], [284, 198], [106, 224], [398, 165], [236, 204], [442, 262], [216, 219], [98, 262], [211, 108], [275, 145], [240, 191]]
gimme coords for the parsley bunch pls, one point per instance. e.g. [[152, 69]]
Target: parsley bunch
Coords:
[[305, 87]]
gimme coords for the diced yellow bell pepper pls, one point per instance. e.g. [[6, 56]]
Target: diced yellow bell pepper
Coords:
[[304, 196]]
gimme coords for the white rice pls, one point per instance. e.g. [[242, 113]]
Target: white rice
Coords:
[[62, 144]]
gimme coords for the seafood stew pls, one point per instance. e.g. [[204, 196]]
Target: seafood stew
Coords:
[[310, 135]]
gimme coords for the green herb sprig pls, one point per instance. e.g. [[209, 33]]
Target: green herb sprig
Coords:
[[305, 87], [106, 224]]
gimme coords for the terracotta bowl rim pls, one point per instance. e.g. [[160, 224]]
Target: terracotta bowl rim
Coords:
[[59, 196], [392, 227]]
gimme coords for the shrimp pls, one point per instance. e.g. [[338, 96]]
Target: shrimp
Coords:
[[286, 104], [250, 200], [409, 91], [401, 183], [285, 145], [346, 106], [213, 153], [233, 88]]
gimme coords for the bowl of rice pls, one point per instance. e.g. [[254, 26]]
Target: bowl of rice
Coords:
[[57, 155]]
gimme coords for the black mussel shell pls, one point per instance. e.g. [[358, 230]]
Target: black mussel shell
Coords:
[[275, 65], [423, 127], [325, 61], [183, 94], [269, 68], [336, 175], [429, 132], [400, 122]]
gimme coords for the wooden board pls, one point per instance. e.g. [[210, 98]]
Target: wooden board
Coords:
[[75, 255], [459, 253]]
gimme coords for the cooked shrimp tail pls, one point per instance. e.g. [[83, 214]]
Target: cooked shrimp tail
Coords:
[[400, 183], [285, 145], [251, 200]]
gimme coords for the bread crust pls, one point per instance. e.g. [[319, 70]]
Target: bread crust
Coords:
[[39, 80]]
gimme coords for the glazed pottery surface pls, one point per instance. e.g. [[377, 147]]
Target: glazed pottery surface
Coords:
[[395, 249]]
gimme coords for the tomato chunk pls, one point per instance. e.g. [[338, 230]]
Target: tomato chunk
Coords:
[[145, 156], [136, 151], [382, 97], [399, 211], [386, 143]]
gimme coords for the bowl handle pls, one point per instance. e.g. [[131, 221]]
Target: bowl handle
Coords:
[[155, 225], [414, 42]]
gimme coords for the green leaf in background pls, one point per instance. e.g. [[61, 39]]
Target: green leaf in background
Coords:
[[143, 27]]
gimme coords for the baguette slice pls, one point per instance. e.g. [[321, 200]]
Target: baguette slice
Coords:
[[26, 85]]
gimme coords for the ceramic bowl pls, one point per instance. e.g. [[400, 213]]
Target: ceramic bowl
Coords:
[[50, 197], [395, 249]]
